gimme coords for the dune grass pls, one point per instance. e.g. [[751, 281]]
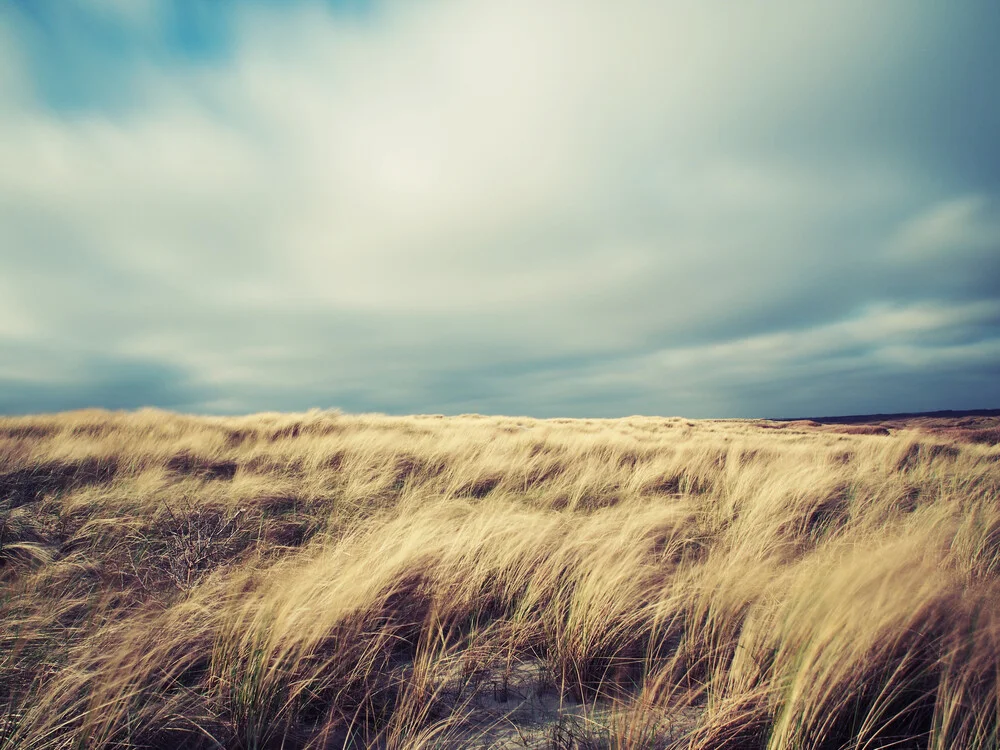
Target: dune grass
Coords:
[[329, 581]]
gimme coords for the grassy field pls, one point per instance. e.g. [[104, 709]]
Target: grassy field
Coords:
[[329, 581]]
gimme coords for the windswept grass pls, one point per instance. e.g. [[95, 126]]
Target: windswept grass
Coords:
[[331, 581]]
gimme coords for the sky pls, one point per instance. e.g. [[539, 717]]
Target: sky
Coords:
[[531, 207]]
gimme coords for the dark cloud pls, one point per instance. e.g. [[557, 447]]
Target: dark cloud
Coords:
[[81, 380]]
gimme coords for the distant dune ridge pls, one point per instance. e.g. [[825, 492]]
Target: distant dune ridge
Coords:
[[326, 580]]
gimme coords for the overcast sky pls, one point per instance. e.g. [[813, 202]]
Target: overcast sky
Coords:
[[540, 207]]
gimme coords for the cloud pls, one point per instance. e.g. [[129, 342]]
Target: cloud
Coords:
[[518, 207], [44, 379], [966, 225]]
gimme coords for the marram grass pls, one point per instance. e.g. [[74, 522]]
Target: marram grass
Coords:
[[333, 581]]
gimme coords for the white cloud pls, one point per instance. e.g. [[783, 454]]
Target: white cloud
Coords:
[[394, 165], [16, 322], [465, 184], [908, 339], [957, 226], [879, 327]]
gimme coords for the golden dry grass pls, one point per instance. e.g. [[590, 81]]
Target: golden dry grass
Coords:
[[326, 580]]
